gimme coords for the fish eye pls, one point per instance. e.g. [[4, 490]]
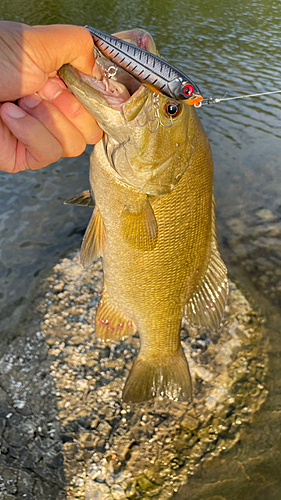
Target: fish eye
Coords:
[[188, 90], [172, 109]]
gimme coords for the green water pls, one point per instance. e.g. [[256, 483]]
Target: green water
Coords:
[[226, 47]]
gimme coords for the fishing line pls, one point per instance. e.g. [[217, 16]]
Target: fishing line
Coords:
[[215, 100]]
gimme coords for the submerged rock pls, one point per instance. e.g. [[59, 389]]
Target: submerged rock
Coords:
[[73, 437]]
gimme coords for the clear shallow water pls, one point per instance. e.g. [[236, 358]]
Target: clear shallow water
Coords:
[[231, 47]]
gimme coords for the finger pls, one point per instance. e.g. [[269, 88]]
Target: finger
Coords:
[[7, 147], [71, 139], [75, 47], [25, 143], [67, 132], [56, 92]]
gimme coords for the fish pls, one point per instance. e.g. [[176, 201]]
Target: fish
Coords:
[[147, 67], [153, 224]]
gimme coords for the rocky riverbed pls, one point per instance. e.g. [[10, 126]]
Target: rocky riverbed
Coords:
[[65, 432]]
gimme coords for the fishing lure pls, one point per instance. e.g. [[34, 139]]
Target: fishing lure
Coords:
[[148, 68]]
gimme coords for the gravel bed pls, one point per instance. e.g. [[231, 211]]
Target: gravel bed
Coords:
[[65, 432]]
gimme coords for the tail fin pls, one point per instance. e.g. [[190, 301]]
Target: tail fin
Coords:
[[164, 376]]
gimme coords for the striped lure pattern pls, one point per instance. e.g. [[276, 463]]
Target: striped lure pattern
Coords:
[[148, 68]]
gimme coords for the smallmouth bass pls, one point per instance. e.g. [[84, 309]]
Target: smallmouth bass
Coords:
[[153, 224]]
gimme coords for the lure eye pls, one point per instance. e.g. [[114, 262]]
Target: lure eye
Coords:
[[172, 109], [188, 90]]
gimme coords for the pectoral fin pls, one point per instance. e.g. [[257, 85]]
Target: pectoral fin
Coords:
[[139, 226], [83, 199], [94, 240], [207, 304], [110, 324]]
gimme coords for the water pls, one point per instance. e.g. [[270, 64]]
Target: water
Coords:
[[228, 47]]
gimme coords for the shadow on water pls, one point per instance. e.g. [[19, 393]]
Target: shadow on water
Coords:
[[225, 47]]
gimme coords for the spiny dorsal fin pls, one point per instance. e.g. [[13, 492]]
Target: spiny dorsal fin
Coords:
[[110, 324], [94, 240], [207, 304], [139, 226], [159, 376], [83, 199]]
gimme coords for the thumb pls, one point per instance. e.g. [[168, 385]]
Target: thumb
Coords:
[[60, 44]]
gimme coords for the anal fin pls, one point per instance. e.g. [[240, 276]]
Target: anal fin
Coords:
[[110, 324], [94, 240], [139, 226]]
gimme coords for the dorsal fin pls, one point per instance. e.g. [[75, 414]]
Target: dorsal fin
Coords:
[[207, 304], [82, 199], [94, 240]]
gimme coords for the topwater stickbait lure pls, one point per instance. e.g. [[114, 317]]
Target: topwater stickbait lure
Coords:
[[148, 68]]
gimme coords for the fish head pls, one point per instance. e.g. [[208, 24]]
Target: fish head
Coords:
[[148, 137]]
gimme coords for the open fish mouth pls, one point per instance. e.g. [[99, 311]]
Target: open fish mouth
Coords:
[[111, 84], [115, 85]]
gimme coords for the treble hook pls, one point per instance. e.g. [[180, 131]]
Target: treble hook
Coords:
[[97, 53], [156, 118], [111, 71], [155, 99]]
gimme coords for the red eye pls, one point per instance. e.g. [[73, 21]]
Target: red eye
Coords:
[[188, 90]]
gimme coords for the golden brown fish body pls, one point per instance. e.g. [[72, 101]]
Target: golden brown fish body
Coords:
[[154, 224]]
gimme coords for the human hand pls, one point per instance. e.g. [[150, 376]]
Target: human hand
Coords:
[[48, 121]]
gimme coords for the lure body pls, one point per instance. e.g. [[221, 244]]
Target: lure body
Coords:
[[148, 68]]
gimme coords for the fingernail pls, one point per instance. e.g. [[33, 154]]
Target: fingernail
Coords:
[[14, 111], [51, 90], [30, 101]]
